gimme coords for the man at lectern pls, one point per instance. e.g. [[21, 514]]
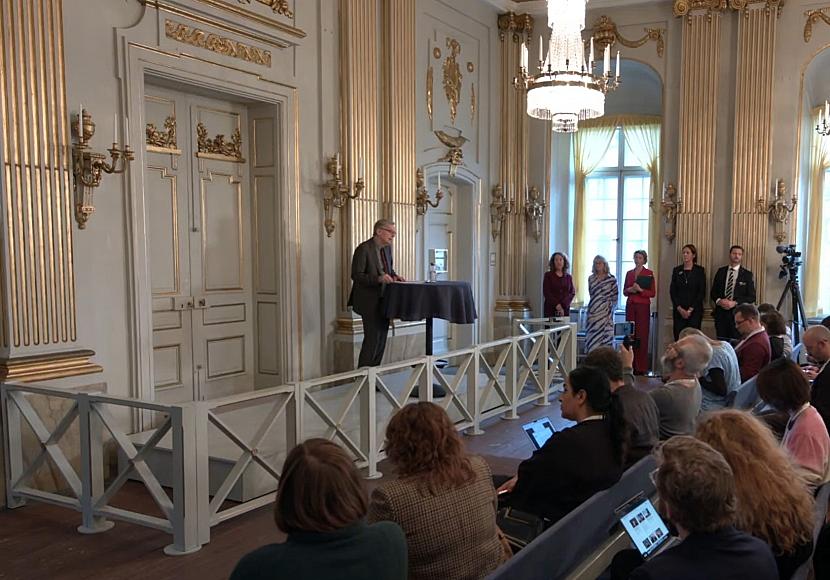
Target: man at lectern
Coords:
[[372, 270]]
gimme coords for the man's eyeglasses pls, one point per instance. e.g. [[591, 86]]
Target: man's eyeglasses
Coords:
[[393, 232], [653, 476]]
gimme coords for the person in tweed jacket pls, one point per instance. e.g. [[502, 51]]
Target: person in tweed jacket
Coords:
[[443, 499]]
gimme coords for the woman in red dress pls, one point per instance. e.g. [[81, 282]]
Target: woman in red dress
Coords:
[[558, 287], [638, 306]]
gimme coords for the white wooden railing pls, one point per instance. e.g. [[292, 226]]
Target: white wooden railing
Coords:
[[353, 409]]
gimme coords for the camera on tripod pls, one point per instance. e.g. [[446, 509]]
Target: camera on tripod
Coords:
[[790, 260]]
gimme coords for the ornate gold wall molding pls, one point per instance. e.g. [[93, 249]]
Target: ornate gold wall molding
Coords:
[[277, 6], [752, 154], [769, 5], [219, 44], [51, 366], [520, 25], [814, 16], [452, 77], [687, 7], [605, 33], [38, 284]]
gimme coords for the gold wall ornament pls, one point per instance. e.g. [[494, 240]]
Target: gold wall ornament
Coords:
[[218, 148], [89, 166], [684, 7], [429, 92], [779, 210], [605, 33], [517, 24], [473, 103], [436, 53], [500, 207], [277, 6], [534, 211], [215, 43], [336, 194], [422, 198], [452, 77], [164, 141], [670, 206], [814, 16], [455, 154]]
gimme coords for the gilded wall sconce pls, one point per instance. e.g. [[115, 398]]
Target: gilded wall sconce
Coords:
[[88, 165], [455, 153], [336, 194], [534, 211], [422, 198], [779, 211], [500, 207], [670, 206]]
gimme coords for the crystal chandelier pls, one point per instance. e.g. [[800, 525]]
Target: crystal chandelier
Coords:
[[823, 125], [564, 89]]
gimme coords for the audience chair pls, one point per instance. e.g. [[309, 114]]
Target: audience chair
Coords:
[[744, 397], [820, 513], [796, 351]]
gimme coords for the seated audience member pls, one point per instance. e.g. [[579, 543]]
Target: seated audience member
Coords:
[[754, 349], [557, 478], [774, 504], [816, 340], [321, 506], [782, 384], [721, 375], [639, 408], [678, 400], [765, 307], [781, 345], [825, 322], [443, 498], [697, 494]]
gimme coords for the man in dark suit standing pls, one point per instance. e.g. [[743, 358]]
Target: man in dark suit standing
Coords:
[[732, 285], [372, 270]]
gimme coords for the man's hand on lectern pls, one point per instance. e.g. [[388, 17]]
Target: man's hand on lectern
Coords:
[[399, 278], [385, 279]]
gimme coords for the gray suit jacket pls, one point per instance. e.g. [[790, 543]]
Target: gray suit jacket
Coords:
[[366, 269]]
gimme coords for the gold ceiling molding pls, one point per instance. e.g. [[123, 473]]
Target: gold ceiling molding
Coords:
[[518, 24], [452, 77], [814, 16], [745, 4], [605, 33], [215, 43], [278, 6], [41, 367], [684, 7], [218, 148]]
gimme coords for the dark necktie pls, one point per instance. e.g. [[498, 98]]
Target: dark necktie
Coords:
[[385, 261], [730, 284]]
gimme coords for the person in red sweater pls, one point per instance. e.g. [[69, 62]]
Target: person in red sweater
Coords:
[[754, 350], [558, 287], [640, 287]]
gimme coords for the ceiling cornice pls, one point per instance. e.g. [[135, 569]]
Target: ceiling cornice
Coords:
[[540, 6]]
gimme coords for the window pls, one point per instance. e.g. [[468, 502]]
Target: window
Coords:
[[823, 306], [616, 198]]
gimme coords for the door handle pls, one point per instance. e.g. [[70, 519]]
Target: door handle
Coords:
[[201, 303]]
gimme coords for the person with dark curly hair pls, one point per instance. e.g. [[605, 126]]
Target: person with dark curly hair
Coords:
[[558, 287], [443, 498]]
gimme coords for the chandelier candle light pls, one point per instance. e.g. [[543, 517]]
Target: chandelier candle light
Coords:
[[564, 89], [823, 125]]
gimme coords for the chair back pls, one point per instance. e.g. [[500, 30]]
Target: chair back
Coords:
[[796, 353], [819, 515]]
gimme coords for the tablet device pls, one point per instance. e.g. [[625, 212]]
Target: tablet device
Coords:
[[539, 431], [645, 527]]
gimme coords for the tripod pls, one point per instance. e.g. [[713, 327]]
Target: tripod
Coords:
[[799, 319]]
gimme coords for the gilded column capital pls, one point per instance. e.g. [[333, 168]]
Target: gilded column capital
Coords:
[[518, 24], [685, 7]]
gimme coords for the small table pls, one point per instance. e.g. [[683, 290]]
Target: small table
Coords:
[[451, 301]]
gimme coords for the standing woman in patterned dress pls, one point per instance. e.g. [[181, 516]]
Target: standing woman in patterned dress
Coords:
[[603, 290]]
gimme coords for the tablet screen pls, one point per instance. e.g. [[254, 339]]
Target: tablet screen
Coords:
[[646, 528]]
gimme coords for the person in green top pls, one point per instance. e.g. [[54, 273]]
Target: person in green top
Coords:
[[321, 506]]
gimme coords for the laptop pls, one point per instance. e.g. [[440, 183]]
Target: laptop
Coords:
[[539, 431], [647, 530]]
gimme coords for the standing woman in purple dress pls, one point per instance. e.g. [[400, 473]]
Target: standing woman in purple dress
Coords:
[[558, 287]]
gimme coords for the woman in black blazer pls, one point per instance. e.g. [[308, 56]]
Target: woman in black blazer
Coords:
[[687, 290]]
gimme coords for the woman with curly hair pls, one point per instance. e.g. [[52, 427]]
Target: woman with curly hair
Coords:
[[774, 503], [558, 287], [443, 498]]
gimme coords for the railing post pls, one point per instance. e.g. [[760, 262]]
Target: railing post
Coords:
[[201, 468], [369, 423], [474, 403], [92, 467], [13, 446], [184, 517], [425, 382], [510, 381], [543, 368], [570, 349]]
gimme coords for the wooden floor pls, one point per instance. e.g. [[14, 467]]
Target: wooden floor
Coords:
[[40, 541]]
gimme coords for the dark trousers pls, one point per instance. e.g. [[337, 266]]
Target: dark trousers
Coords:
[[694, 321], [639, 314], [725, 323], [375, 329]]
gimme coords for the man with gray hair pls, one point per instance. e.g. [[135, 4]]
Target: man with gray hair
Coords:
[[371, 271], [678, 400]]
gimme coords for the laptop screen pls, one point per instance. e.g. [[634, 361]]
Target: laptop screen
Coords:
[[539, 431], [646, 528]]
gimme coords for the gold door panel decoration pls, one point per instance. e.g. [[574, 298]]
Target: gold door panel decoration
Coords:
[[162, 141], [162, 207], [452, 77], [277, 6], [217, 147], [221, 204], [223, 45]]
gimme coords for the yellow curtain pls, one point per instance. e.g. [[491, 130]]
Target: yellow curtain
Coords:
[[642, 133], [819, 163], [591, 142]]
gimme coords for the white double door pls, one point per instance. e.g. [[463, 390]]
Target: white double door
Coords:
[[198, 216]]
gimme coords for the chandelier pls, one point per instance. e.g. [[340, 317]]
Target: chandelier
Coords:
[[564, 89], [823, 125]]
